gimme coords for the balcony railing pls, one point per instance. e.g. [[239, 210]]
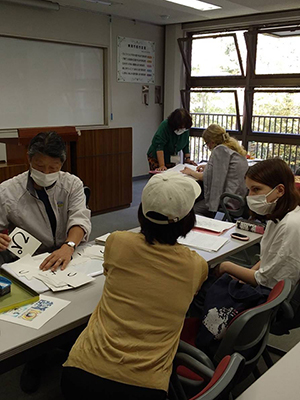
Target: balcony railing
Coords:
[[262, 149], [260, 123], [202, 120]]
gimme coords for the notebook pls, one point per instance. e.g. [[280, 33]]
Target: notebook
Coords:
[[203, 241], [213, 225]]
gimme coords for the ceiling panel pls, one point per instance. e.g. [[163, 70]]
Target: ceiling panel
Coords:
[[162, 12]]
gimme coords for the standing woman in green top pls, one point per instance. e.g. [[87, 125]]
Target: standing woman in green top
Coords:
[[171, 137]]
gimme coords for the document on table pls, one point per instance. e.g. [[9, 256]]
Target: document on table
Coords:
[[37, 314], [179, 167], [102, 239], [86, 264], [212, 224], [203, 241], [29, 267]]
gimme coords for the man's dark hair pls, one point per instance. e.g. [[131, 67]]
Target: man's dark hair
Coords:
[[272, 172], [180, 118], [165, 234], [49, 144]]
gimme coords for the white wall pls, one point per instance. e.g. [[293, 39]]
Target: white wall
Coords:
[[127, 99], [94, 29]]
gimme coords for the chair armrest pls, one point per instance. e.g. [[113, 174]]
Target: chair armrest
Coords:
[[286, 310], [194, 365], [196, 354]]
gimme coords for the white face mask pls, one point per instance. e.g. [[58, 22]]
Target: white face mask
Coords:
[[180, 131], [258, 203], [43, 180]]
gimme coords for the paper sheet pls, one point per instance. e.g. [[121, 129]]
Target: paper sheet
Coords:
[[28, 267], [212, 224], [203, 241], [22, 243], [102, 239], [37, 314]]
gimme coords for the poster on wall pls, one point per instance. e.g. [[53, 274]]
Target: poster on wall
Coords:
[[136, 60]]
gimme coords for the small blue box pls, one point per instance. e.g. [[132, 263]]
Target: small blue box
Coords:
[[5, 285]]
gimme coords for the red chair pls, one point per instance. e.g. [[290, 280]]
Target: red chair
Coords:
[[219, 381], [247, 334]]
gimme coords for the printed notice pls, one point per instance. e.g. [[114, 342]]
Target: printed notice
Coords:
[[136, 60]]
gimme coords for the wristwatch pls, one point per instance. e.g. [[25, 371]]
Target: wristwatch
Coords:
[[71, 244]]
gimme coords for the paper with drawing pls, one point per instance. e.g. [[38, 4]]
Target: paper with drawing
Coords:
[[37, 314]]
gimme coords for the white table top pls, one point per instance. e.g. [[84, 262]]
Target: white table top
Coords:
[[280, 382], [231, 247], [16, 338]]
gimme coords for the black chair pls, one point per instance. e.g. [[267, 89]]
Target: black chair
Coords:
[[87, 192], [246, 334], [287, 318], [232, 214], [218, 382], [297, 172], [241, 210]]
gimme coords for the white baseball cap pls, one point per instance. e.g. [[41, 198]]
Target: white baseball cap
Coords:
[[170, 194]]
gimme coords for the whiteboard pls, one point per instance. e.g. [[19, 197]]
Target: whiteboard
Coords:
[[50, 84]]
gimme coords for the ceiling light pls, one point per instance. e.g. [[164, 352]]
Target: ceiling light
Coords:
[[103, 2], [198, 5]]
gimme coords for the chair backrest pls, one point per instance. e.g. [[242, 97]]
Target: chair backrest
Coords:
[[230, 214], [224, 379], [87, 192], [221, 382], [288, 316], [248, 332]]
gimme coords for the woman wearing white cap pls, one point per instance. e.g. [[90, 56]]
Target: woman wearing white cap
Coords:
[[128, 347]]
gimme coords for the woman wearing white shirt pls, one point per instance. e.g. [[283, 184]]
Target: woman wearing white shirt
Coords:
[[272, 193]]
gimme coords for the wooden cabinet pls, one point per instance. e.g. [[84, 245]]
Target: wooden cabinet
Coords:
[[16, 149], [101, 158], [104, 163]]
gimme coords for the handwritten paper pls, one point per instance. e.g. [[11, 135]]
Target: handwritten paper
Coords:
[[29, 267], [212, 224], [203, 241], [22, 243]]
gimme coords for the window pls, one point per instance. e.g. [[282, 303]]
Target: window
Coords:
[[278, 52], [248, 82], [218, 55]]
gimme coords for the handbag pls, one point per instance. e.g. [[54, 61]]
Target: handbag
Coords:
[[226, 298]]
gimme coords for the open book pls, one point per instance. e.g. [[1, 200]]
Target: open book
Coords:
[[213, 225]]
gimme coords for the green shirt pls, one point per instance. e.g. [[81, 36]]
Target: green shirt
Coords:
[[165, 139]]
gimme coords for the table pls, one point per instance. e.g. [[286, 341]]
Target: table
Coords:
[[231, 247], [17, 340], [281, 381], [19, 343]]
